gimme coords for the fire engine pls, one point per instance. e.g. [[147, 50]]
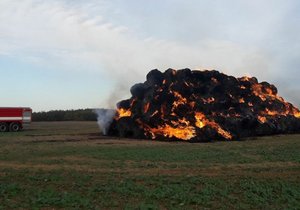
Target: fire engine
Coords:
[[14, 118]]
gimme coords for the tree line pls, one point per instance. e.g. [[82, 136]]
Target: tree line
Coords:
[[65, 115]]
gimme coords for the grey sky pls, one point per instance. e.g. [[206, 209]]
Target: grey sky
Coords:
[[119, 41]]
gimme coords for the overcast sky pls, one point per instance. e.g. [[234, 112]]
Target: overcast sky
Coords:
[[69, 54]]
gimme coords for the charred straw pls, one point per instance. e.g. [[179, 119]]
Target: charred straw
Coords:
[[200, 106]]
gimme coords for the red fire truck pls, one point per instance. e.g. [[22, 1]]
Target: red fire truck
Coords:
[[14, 118]]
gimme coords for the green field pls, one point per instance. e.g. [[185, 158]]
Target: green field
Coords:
[[69, 165]]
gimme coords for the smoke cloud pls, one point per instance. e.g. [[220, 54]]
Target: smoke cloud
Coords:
[[104, 119]]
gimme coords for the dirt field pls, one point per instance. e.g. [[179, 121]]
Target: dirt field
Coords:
[[69, 165]]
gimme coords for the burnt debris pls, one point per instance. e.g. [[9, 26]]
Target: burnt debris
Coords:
[[200, 106]]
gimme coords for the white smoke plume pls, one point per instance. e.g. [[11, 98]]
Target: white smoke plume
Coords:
[[104, 119]]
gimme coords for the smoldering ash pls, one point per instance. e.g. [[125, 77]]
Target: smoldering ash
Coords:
[[104, 119], [199, 106]]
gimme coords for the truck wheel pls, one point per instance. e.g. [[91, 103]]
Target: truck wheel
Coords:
[[3, 127], [14, 127]]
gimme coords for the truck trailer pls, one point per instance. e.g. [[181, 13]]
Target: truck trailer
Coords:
[[14, 118]]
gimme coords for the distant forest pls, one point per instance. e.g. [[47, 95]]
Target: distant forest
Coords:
[[65, 115]]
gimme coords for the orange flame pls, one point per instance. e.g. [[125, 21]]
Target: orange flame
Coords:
[[262, 119], [180, 132], [222, 132], [241, 101], [180, 100], [272, 113], [201, 121], [180, 129], [296, 113], [123, 113], [267, 93], [256, 88]]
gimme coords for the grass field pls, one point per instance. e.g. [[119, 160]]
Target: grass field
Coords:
[[69, 165]]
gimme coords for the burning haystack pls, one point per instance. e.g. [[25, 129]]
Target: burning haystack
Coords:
[[199, 106]]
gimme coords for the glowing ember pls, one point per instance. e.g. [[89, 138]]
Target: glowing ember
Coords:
[[272, 113], [241, 100], [146, 107], [154, 113], [209, 100], [262, 119], [223, 133], [180, 100]]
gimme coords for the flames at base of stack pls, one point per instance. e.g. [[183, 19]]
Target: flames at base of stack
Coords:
[[203, 106]]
